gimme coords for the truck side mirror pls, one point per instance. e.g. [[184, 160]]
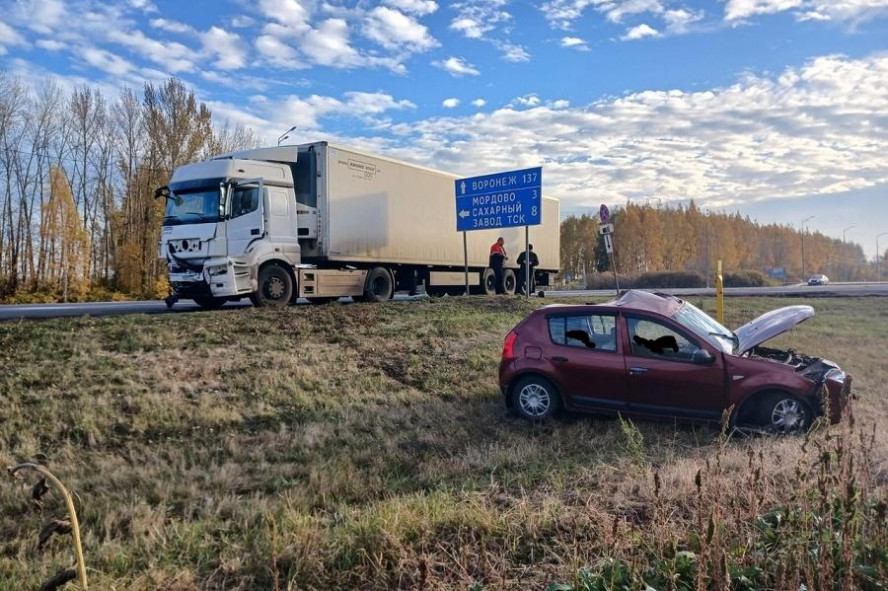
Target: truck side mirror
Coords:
[[162, 192], [702, 357]]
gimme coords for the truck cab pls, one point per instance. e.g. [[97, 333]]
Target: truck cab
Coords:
[[224, 220]]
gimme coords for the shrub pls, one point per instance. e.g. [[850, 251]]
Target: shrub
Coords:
[[745, 278], [668, 279]]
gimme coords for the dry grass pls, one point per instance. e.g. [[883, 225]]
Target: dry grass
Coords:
[[366, 446]]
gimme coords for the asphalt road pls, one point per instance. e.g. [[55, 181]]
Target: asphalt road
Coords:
[[13, 312]]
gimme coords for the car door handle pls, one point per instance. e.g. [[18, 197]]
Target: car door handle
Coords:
[[634, 371], [559, 359], [255, 231]]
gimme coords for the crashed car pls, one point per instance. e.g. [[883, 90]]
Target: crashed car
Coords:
[[653, 355]]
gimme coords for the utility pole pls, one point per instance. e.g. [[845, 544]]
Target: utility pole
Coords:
[[804, 231], [879, 257]]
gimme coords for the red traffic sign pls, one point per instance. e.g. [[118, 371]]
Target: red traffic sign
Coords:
[[604, 214]]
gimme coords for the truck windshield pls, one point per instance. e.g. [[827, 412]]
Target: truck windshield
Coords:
[[193, 206]]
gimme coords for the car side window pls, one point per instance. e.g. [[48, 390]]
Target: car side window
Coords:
[[244, 200], [650, 338], [587, 331]]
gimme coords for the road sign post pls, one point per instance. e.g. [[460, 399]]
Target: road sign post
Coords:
[[607, 230], [500, 200]]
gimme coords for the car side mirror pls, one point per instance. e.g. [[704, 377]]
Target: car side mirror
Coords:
[[703, 357]]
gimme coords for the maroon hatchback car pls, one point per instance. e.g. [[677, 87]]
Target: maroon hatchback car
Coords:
[[654, 355]]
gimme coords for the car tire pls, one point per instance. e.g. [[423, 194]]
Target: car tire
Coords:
[[535, 399], [275, 287], [784, 414]]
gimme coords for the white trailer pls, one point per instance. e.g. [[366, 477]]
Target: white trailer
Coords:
[[323, 221]]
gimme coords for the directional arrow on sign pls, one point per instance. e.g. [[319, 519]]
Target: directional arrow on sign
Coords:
[[462, 187], [464, 214]]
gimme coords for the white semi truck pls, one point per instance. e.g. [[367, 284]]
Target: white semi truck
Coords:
[[322, 221]]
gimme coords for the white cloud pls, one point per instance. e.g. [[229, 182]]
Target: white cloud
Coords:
[[486, 20], [242, 21], [512, 52], [640, 32], [479, 102], [228, 48], [50, 44], [373, 103], [574, 43], [9, 37], [417, 7], [393, 29], [279, 53], [679, 21], [615, 11], [328, 45], [42, 16], [530, 100], [819, 129], [106, 61], [450, 103], [173, 56], [143, 5], [837, 10], [170, 26], [742, 9], [457, 67]]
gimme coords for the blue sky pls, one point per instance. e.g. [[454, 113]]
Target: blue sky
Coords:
[[775, 108]]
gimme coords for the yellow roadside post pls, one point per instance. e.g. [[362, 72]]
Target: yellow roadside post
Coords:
[[719, 295]]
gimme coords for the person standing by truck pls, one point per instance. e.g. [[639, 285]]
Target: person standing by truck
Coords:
[[497, 258], [534, 263]]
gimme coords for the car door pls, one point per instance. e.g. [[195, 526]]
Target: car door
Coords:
[[663, 378], [587, 360]]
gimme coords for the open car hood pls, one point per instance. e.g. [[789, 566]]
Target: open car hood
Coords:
[[769, 325]]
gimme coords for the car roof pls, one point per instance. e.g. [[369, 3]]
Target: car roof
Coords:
[[634, 299]]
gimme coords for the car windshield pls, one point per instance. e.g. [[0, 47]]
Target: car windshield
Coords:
[[705, 326], [194, 206]]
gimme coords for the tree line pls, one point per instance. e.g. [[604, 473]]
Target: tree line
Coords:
[[78, 172], [650, 238]]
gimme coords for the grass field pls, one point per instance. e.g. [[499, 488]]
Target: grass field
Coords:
[[366, 446]]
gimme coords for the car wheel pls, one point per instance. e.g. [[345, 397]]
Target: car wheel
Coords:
[[784, 414], [275, 287], [535, 399]]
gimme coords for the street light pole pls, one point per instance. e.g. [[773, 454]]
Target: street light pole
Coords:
[[844, 254], [810, 217], [879, 258], [285, 135]]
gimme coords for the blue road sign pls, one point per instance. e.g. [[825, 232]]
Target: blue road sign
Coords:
[[501, 200]]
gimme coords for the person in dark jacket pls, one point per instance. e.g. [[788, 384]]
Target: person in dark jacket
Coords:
[[534, 263], [497, 258]]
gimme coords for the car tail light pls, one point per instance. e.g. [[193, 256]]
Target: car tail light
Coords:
[[509, 345]]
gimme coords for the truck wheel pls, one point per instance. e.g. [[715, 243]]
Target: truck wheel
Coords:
[[488, 283], [275, 287], [509, 281], [379, 286], [208, 302], [784, 414]]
